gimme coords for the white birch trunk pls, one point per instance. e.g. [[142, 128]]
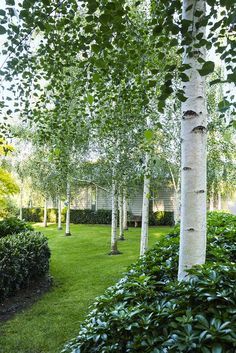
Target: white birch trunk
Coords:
[[67, 233], [114, 248], [219, 201], [176, 206], [145, 209], [125, 212], [59, 214], [45, 223], [193, 154], [121, 219], [21, 202]]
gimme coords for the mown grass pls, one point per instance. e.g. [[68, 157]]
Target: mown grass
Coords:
[[81, 270]]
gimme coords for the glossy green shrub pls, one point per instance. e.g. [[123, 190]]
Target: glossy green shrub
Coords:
[[12, 226], [23, 257], [149, 311]]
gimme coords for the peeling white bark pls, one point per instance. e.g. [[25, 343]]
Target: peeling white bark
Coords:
[[68, 195], [114, 248], [121, 219], [145, 209], [45, 224], [193, 155], [176, 206], [59, 214], [125, 212]]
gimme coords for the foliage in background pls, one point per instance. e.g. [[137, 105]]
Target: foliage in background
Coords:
[[13, 225], [88, 216], [149, 311], [8, 186], [23, 257]]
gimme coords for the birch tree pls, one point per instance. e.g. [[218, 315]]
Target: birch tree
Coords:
[[193, 147]]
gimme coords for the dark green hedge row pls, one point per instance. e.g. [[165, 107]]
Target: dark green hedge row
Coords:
[[23, 257], [149, 311], [35, 214], [88, 216], [13, 226]]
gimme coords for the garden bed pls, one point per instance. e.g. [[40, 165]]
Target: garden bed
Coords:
[[24, 298]]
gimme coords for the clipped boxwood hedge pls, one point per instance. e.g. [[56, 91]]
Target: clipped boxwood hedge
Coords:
[[12, 226], [88, 216], [23, 257], [148, 311], [35, 214]]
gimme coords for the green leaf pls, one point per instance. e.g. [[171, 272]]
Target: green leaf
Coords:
[[207, 68], [217, 349], [90, 99], [2, 30], [2, 13], [148, 134], [184, 77], [96, 77], [10, 2]]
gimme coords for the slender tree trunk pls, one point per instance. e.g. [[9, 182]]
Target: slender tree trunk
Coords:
[[176, 206], [67, 233], [114, 248], [121, 219], [211, 204], [59, 214], [193, 152], [21, 202], [45, 224], [219, 201], [125, 212], [145, 209]]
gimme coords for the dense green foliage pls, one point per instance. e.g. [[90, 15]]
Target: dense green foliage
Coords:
[[163, 218], [13, 226], [88, 216], [149, 311], [35, 214], [81, 270], [23, 257]]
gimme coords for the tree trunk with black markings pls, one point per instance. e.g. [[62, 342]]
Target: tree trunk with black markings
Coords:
[[193, 149]]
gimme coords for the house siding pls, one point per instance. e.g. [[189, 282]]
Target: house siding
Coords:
[[163, 200]]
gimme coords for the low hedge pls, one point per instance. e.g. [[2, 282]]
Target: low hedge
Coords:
[[12, 226], [161, 218], [88, 216], [23, 257], [148, 311], [36, 214]]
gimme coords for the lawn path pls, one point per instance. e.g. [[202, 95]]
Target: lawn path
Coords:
[[81, 270]]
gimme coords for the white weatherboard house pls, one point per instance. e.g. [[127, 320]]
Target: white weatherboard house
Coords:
[[97, 198]]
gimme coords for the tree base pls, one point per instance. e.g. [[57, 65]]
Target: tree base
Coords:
[[126, 228], [59, 228], [121, 237], [67, 234], [114, 252]]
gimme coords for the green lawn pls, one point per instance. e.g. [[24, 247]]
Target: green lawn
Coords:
[[81, 270]]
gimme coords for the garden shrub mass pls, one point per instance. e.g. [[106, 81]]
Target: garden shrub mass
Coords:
[[23, 257], [148, 311], [13, 226]]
